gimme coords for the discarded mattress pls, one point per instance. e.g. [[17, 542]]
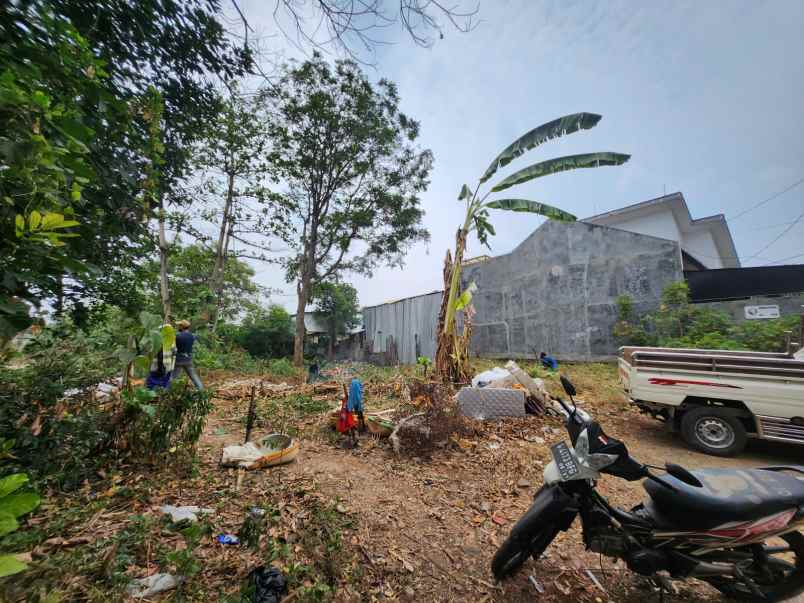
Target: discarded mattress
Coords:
[[491, 402], [272, 450]]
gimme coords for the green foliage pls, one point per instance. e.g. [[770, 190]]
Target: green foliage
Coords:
[[73, 140], [679, 324], [560, 164], [13, 505], [146, 339], [56, 438], [424, 362], [282, 367], [336, 305], [331, 124], [189, 274], [158, 426], [266, 333], [452, 349], [541, 134]]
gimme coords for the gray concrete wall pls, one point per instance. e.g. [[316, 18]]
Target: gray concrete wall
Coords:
[[400, 325], [556, 292], [788, 305]]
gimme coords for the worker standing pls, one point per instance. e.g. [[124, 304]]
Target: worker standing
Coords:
[[184, 352]]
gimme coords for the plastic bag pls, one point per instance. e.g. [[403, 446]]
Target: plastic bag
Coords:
[[266, 585], [486, 377]]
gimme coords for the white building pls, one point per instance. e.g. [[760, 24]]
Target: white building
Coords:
[[705, 242]]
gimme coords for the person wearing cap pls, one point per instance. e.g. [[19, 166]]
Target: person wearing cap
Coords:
[[184, 353]]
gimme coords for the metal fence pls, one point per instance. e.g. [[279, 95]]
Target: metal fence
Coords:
[[401, 331]]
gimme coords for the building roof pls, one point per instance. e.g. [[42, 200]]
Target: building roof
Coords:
[[313, 325], [675, 202]]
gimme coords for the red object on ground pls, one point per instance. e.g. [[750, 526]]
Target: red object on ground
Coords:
[[346, 420]]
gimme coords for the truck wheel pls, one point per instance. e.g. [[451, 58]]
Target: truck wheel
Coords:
[[713, 431]]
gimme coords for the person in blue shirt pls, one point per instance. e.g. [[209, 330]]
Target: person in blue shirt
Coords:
[[548, 362], [184, 353]]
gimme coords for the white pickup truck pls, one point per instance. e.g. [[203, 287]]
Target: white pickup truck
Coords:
[[717, 399]]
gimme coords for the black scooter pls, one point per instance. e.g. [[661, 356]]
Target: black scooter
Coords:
[[737, 529]]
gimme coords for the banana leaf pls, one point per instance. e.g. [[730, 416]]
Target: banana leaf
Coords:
[[553, 129], [533, 207], [561, 164], [466, 193]]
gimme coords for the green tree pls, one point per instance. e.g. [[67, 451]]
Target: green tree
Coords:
[[191, 287], [353, 177], [232, 167], [337, 306], [267, 333], [72, 140], [452, 348]]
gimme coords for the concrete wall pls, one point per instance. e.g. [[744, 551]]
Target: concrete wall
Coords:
[[556, 291], [788, 305], [403, 326]]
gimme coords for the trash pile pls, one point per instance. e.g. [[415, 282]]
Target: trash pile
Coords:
[[503, 392]]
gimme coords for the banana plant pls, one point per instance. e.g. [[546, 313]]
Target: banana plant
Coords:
[[478, 206]]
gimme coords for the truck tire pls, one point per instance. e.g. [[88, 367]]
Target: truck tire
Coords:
[[713, 431]]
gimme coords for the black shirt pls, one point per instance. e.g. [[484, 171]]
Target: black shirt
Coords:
[[184, 346]]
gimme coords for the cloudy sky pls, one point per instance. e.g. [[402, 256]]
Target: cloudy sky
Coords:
[[707, 97]]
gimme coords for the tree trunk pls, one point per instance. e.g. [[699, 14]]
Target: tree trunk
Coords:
[[452, 349], [302, 288], [331, 346], [163, 265], [308, 271], [218, 270]]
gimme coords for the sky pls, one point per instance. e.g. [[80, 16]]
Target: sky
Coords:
[[706, 97]]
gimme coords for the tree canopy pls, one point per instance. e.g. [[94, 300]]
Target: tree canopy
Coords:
[[337, 306], [353, 174]]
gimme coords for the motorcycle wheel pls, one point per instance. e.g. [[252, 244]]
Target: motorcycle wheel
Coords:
[[783, 577], [514, 552]]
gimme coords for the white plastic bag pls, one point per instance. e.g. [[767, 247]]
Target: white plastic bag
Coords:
[[486, 377]]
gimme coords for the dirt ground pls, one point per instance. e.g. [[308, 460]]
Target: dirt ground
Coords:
[[427, 529], [368, 525]]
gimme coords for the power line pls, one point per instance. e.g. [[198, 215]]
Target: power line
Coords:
[[792, 257], [768, 200], [780, 235], [769, 226]]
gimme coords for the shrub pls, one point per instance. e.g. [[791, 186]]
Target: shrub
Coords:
[[267, 333], [63, 433], [157, 422], [13, 505], [282, 367], [679, 324]]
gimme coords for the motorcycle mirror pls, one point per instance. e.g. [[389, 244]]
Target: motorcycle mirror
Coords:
[[568, 386], [681, 474]]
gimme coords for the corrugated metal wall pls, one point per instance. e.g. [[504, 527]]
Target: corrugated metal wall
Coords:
[[405, 323]]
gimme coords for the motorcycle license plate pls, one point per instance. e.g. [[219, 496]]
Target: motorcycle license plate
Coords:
[[565, 462]]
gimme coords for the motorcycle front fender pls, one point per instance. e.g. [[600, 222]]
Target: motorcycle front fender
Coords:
[[551, 507]]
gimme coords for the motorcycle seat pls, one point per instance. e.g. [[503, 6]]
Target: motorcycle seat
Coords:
[[727, 495]]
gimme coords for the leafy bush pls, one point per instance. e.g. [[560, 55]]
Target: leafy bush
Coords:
[[54, 435], [282, 367], [13, 505], [679, 324], [267, 333], [63, 433]]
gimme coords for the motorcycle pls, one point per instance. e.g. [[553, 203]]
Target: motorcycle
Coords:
[[737, 529]]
